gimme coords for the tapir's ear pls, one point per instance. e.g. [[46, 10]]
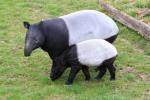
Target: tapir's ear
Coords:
[[26, 25]]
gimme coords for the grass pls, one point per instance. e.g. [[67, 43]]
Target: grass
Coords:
[[131, 7], [28, 78]]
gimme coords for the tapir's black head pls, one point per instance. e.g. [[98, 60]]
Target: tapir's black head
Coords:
[[34, 37], [58, 68]]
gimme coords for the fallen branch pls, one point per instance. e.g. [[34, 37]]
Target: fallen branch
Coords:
[[139, 26], [144, 11]]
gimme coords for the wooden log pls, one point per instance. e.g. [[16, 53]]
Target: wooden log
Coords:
[[139, 26], [144, 11]]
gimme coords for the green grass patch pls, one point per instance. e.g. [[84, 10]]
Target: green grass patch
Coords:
[[28, 78]]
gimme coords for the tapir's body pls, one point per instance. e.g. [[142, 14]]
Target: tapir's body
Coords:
[[59, 33], [96, 53], [89, 24]]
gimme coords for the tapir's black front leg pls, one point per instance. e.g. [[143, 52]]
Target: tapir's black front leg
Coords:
[[85, 70], [72, 75]]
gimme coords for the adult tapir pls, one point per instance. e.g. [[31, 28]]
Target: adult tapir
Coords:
[[55, 35]]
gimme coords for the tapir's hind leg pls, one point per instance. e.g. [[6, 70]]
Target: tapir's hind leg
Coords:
[[111, 39], [112, 70], [109, 64], [102, 71]]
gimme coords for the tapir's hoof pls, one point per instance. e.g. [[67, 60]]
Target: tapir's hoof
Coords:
[[68, 83], [87, 78], [112, 79], [97, 78]]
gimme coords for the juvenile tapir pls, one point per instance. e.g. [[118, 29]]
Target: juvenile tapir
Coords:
[[96, 53], [55, 35]]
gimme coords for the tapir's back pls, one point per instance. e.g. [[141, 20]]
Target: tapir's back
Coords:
[[89, 24], [93, 52]]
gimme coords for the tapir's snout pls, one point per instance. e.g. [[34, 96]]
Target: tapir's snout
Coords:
[[29, 47], [27, 52]]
